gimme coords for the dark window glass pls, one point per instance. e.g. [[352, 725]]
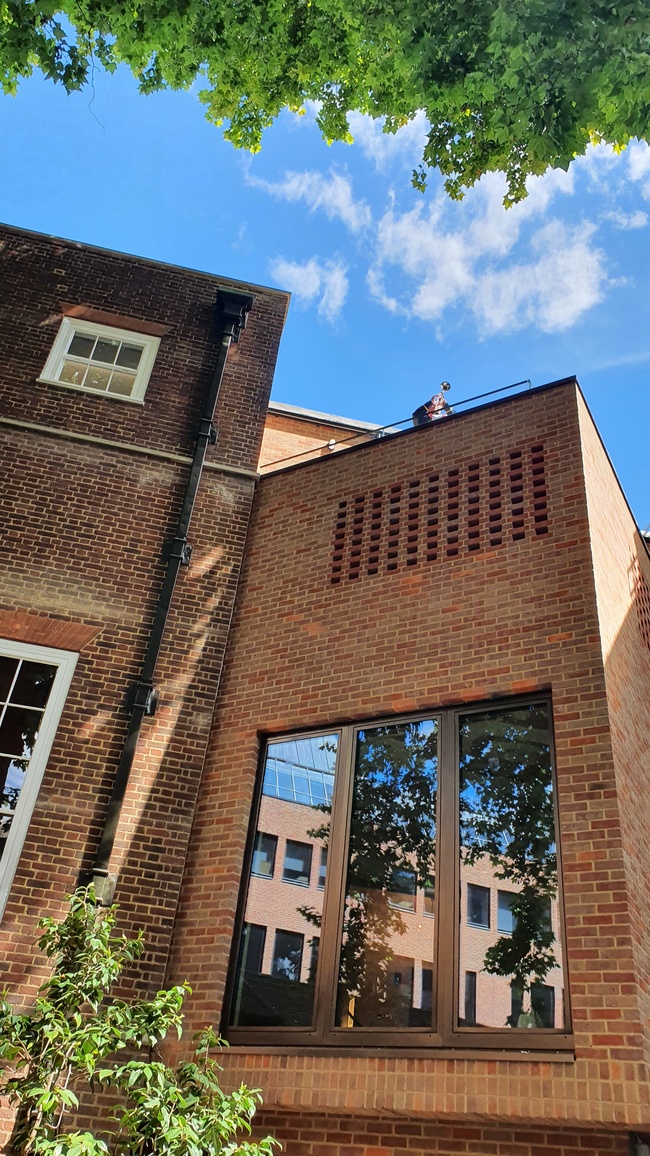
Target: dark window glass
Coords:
[[81, 345], [427, 987], [322, 867], [478, 905], [534, 1008], [430, 897], [253, 941], [8, 668], [313, 962], [506, 918], [470, 998], [19, 730], [33, 684], [392, 834], [129, 356], [264, 854], [297, 863], [287, 955], [401, 890]]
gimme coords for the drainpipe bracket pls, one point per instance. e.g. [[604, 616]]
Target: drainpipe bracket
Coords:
[[209, 431], [143, 696], [104, 886], [178, 548]]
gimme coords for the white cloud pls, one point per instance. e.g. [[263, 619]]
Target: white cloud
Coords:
[[429, 261], [638, 158], [332, 193], [325, 281], [636, 220], [383, 147]]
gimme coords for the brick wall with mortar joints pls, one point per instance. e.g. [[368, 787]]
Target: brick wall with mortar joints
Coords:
[[38, 273], [284, 437], [327, 1136], [506, 620], [84, 528], [620, 561]]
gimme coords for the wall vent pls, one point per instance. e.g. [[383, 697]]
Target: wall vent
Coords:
[[473, 507], [641, 594]]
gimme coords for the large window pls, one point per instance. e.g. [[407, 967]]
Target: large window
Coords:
[[34, 681], [451, 816]]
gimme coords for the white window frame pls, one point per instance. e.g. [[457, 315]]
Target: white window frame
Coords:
[[70, 326], [65, 661]]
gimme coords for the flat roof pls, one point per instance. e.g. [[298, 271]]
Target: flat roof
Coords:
[[315, 415]]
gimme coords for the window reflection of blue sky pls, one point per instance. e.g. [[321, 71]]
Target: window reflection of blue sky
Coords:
[[302, 770]]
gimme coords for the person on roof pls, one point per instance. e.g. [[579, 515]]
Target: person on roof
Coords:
[[438, 407]]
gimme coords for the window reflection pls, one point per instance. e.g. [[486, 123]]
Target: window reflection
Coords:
[[512, 976], [382, 981], [281, 932]]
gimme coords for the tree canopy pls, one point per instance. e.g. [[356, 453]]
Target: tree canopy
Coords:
[[507, 85]]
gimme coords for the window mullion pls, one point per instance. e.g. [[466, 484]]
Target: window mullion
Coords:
[[334, 897], [447, 868]]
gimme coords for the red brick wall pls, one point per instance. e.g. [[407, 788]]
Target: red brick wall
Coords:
[[509, 611], [622, 577], [289, 437], [316, 1135], [84, 527]]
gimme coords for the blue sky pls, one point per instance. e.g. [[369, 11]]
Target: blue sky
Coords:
[[393, 291]]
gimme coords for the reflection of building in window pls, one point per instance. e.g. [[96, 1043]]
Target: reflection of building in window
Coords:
[[297, 863], [470, 998], [506, 919], [542, 1006], [287, 955], [384, 954], [252, 948], [264, 854], [478, 905], [301, 771]]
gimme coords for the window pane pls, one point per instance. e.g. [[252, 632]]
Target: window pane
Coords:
[[8, 668], [430, 897], [81, 345], [97, 378], [287, 956], [392, 836], [33, 684], [105, 350], [12, 775], [506, 918], [298, 777], [18, 731], [401, 890], [252, 948], [478, 905], [297, 863], [129, 356], [73, 372], [322, 868], [264, 854], [507, 835], [122, 383], [470, 998]]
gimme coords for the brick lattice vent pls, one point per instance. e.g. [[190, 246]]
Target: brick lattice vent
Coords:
[[476, 506], [641, 591]]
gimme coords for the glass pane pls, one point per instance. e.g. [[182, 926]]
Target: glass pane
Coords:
[[106, 350], [97, 378], [33, 684], [129, 356], [18, 731], [264, 855], [297, 863], [81, 345], [392, 843], [508, 844], [8, 667], [295, 812], [122, 384], [12, 776], [73, 372]]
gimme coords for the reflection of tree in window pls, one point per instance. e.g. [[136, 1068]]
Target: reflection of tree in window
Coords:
[[287, 955], [24, 691], [507, 818], [392, 837]]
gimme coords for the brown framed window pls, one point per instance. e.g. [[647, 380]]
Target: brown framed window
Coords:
[[445, 814]]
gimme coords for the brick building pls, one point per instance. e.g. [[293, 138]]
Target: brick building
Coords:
[[403, 858]]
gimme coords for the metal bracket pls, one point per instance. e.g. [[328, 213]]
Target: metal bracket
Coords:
[[179, 548], [208, 430], [234, 309], [143, 696]]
